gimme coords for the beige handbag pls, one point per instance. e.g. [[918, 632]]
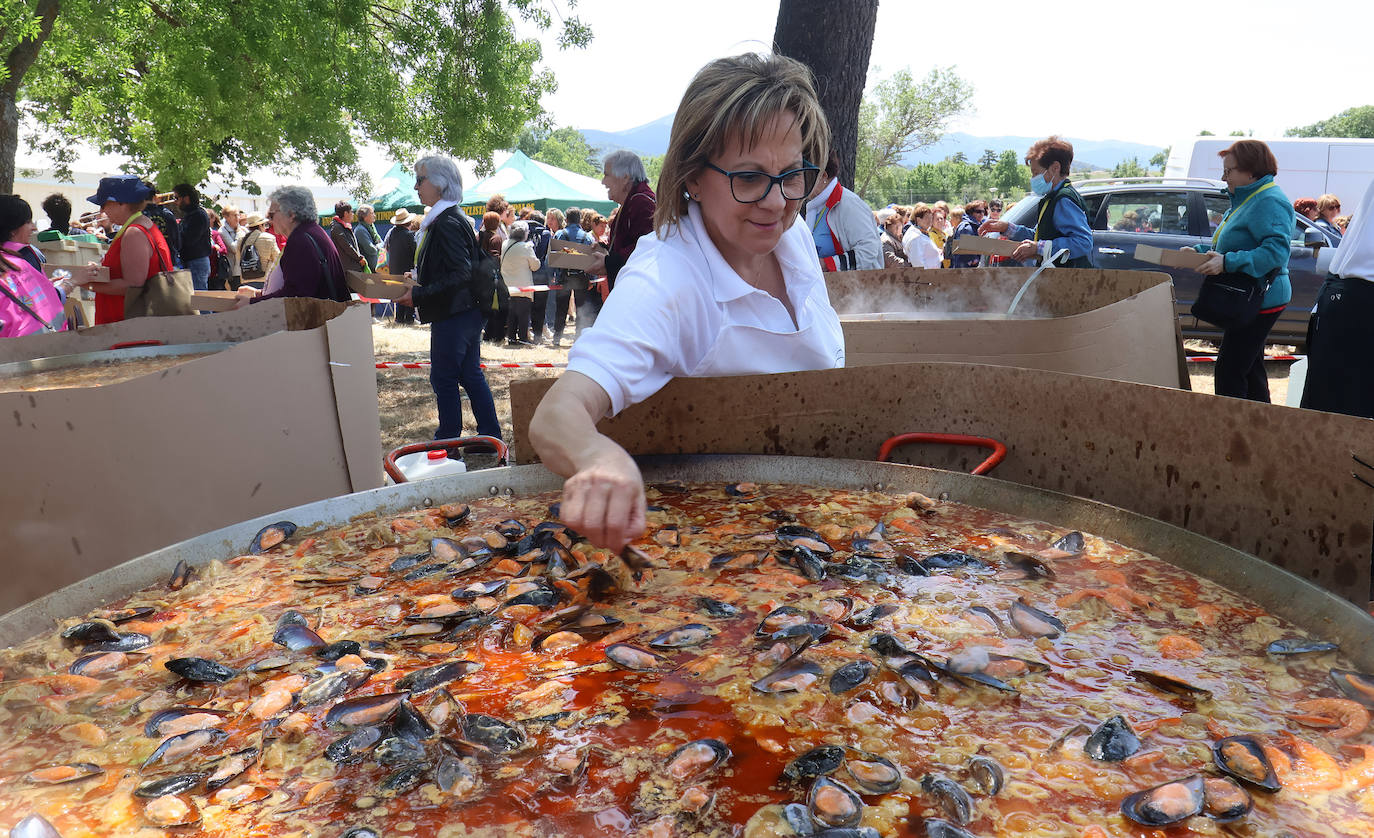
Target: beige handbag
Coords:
[[164, 294]]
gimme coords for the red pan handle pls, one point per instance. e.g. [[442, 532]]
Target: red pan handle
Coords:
[[129, 344], [458, 444], [999, 451]]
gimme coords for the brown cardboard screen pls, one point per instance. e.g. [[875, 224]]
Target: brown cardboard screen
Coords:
[[1171, 258], [106, 473], [1273, 481]]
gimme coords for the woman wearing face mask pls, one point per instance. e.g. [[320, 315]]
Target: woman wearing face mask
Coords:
[[921, 251], [1061, 218]]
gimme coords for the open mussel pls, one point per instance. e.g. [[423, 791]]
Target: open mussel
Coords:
[[795, 535], [1031, 566], [124, 615], [949, 796], [873, 774], [807, 562], [171, 811], [270, 536], [355, 746], [181, 719], [431, 677], [334, 685], [1112, 741], [834, 804], [1243, 758], [90, 631], [398, 751], [200, 670], [361, 832], [682, 637], [739, 561], [986, 619], [1070, 543], [1170, 684], [1032, 622], [1169, 803], [410, 724], [780, 618], [798, 818], [986, 773], [492, 733], [851, 675], [364, 711], [940, 828], [489, 588], [715, 608], [866, 617], [297, 638], [71, 772], [1300, 646], [406, 562], [405, 779], [97, 662], [952, 560], [820, 761], [696, 758], [340, 648], [1357, 685], [1225, 800], [793, 676], [177, 784], [34, 826], [635, 659], [175, 747], [231, 768]]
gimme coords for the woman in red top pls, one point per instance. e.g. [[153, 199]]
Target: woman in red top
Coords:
[[138, 252]]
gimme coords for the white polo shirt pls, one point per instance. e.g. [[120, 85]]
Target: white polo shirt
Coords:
[[679, 309]]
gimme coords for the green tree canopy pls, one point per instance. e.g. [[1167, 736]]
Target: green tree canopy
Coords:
[[1130, 168], [565, 148], [901, 115], [1352, 122], [195, 87]]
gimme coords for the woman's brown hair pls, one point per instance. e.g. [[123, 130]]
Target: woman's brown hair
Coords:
[[1252, 156]]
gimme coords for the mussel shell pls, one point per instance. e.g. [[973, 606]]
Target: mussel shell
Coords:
[[682, 637], [950, 796], [77, 772], [793, 676], [91, 631], [837, 608], [984, 613], [130, 641], [987, 773], [153, 727], [1225, 800], [361, 832], [1033, 622], [874, 548], [492, 733], [539, 598], [124, 615], [1112, 741], [364, 711], [1031, 565], [696, 758], [410, 724], [952, 560], [425, 570], [873, 774], [181, 574], [1300, 646], [887, 645], [353, 747], [810, 563], [851, 675], [424, 680], [814, 631], [270, 536], [847, 832], [450, 770], [739, 561], [911, 566], [297, 638], [185, 743], [820, 761], [491, 587], [511, 528], [1162, 805], [940, 828], [780, 618], [866, 617], [170, 785], [34, 826], [798, 817], [405, 779], [634, 658], [231, 768], [396, 751], [1357, 685], [333, 685], [337, 649], [401, 563], [81, 664], [1070, 542], [795, 535], [1170, 684], [834, 804], [200, 670], [1228, 753]]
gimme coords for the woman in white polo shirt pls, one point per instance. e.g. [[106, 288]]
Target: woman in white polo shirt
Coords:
[[729, 285]]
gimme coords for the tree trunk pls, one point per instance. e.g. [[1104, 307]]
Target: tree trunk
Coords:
[[834, 38], [18, 62]]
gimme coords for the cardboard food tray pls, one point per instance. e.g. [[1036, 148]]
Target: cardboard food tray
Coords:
[[572, 255], [378, 286], [102, 273], [68, 253], [213, 300], [981, 245], [287, 416], [1170, 258]]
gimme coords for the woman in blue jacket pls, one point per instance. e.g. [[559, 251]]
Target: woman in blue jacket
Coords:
[[1253, 239]]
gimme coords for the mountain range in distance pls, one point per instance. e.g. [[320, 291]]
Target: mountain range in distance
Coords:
[[652, 139]]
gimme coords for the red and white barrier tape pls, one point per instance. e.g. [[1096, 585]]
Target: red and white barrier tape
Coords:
[[421, 365], [1212, 359]]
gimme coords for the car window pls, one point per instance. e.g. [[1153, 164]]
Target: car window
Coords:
[[1094, 203], [1148, 212], [1217, 205]]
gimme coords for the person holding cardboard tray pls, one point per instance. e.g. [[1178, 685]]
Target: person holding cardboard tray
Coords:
[[136, 253], [1252, 245], [730, 284], [1061, 218], [309, 265]]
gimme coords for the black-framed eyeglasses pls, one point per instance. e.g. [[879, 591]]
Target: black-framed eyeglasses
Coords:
[[752, 187], [419, 179]]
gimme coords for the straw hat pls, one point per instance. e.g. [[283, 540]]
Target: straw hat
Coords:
[[401, 217], [254, 220]]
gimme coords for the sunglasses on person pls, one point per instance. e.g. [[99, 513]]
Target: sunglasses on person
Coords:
[[749, 187]]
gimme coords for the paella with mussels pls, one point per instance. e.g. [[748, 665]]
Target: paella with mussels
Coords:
[[769, 660]]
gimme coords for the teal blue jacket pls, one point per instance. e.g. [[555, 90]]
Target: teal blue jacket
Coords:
[[1256, 239]]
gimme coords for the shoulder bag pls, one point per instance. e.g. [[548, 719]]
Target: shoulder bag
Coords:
[[1231, 300], [166, 293]]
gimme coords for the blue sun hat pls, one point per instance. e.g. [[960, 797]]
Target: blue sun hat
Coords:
[[126, 189]]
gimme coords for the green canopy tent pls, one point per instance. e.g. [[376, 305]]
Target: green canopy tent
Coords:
[[529, 183], [398, 192]]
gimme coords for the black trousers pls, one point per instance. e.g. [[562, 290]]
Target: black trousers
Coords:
[[1340, 349], [518, 320], [496, 324], [1240, 362], [588, 307], [537, 310], [405, 314], [560, 312]]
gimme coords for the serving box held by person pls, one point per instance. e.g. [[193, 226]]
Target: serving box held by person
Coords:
[[730, 284], [1061, 217]]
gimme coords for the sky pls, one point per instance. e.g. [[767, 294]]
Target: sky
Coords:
[[1155, 73]]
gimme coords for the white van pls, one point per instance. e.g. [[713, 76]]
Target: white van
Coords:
[[1308, 167]]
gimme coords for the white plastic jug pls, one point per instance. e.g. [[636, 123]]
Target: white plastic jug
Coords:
[[427, 464]]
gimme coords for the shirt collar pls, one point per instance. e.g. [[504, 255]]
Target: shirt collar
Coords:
[[726, 283]]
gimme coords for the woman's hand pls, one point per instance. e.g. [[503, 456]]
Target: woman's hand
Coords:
[[405, 299], [246, 294], [88, 274], [1215, 264], [993, 227], [605, 501]]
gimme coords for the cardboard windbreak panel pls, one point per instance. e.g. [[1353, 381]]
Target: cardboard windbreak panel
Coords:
[[100, 475], [1272, 481]]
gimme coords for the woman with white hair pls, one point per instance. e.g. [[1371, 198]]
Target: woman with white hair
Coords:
[[627, 184], [447, 298], [309, 265]]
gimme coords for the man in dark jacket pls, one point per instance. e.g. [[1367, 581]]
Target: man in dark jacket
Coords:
[[166, 224], [628, 185], [195, 235], [341, 233], [447, 297]]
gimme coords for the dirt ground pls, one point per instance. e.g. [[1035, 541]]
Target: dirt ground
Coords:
[[408, 413]]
